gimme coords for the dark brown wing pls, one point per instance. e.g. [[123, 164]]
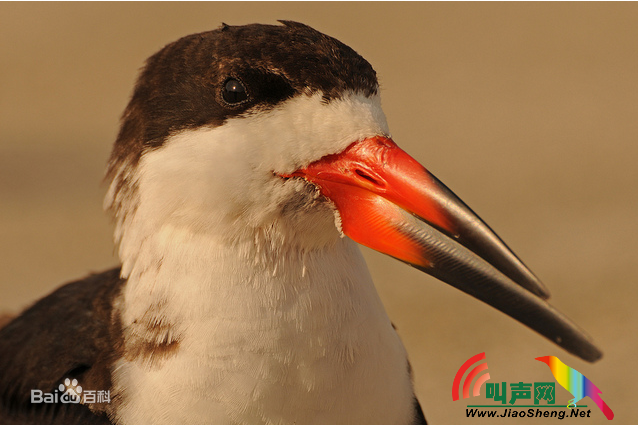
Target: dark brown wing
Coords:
[[71, 333], [420, 417]]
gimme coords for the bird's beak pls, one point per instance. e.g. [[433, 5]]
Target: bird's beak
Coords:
[[392, 204]]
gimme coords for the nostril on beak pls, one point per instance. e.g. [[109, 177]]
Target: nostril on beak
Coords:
[[367, 177]]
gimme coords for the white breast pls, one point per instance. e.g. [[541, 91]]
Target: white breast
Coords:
[[306, 341]]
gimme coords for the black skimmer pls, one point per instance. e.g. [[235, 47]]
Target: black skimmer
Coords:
[[250, 160]]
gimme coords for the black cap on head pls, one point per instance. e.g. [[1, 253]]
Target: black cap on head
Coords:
[[204, 79]]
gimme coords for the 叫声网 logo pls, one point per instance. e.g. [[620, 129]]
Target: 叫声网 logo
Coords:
[[541, 394]]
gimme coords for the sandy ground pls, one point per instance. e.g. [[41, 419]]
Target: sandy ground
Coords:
[[527, 111]]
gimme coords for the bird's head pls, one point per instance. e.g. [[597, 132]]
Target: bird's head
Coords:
[[218, 119], [278, 131]]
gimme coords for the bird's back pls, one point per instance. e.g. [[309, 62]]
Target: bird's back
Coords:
[[67, 334]]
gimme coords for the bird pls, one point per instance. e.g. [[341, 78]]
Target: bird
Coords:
[[576, 383], [250, 162]]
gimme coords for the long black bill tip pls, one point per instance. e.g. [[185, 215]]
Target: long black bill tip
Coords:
[[460, 267], [473, 233], [525, 307]]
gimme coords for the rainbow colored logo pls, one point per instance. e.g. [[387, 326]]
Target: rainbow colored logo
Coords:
[[576, 383], [476, 390]]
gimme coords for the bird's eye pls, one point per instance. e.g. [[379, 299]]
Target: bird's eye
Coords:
[[234, 92]]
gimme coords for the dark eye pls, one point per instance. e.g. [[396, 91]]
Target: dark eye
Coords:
[[234, 92]]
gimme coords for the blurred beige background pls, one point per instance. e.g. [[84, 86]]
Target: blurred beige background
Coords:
[[529, 112]]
